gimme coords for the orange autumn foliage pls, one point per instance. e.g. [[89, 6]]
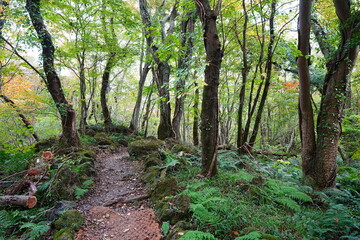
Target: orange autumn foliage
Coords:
[[22, 91], [290, 85]]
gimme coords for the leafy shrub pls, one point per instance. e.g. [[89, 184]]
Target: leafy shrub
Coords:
[[14, 162]]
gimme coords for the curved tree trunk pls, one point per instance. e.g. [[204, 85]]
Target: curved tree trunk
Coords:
[[210, 102], [67, 113]]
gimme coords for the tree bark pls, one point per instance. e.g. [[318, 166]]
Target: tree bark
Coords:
[[210, 104], [67, 113]]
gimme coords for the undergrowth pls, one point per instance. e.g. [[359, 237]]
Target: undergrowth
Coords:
[[268, 200]]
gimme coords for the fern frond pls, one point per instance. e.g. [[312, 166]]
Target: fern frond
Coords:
[[300, 196], [288, 202], [198, 235], [203, 214], [256, 235]]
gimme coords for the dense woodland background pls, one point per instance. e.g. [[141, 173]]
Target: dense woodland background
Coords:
[[141, 64], [271, 77]]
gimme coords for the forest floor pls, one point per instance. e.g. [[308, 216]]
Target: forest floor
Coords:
[[111, 213]]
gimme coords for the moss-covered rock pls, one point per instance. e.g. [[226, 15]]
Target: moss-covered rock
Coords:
[[153, 159], [103, 139], [177, 148], [150, 174], [175, 209], [163, 188], [175, 234], [70, 219], [65, 234], [143, 147]]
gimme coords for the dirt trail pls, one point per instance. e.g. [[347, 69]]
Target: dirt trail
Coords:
[[117, 178]]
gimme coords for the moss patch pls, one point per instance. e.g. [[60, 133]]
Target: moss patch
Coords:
[[163, 188], [64, 234], [70, 219], [143, 147]]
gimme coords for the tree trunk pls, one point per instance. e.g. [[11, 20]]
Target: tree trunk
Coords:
[[105, 86], [319, 158], [186, 40], [162, 75], [165, 129], [244, 73], [210, 105], [67, 113], [144, 70], [268, 69], [306, 117], [196, 116], [83, 105]]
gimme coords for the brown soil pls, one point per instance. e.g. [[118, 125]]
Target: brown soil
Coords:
[[117, 179]]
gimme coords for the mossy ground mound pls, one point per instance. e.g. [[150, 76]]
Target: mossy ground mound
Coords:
[[175, 209], [143, 147], [163, 188], [70, 219]]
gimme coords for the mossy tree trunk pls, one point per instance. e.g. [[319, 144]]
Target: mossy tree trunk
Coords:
[[69, 135]]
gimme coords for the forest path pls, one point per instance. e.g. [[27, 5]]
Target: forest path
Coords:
[[107, 216]]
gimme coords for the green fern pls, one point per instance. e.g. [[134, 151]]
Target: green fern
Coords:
[[256, 235], [198, 235], [288, 202], [203, 214]]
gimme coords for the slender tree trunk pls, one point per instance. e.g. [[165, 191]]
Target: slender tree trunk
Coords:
[[268, 69], [306, 117], [186, 40], [83, 105], [210, 104], [144, 70], [244, 73], [196, 115], [67, 113], [105, 85]]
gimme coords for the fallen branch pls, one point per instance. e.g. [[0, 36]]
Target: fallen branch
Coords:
[[18, 200], [13, 175], [126, 200], [276, 154]]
